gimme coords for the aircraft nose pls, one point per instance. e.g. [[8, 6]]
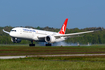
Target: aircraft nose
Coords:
[[12, 34]]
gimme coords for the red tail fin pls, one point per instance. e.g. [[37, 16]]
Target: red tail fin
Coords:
[[63, 29]]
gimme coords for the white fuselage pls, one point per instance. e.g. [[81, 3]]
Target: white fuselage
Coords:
[[33, 34]]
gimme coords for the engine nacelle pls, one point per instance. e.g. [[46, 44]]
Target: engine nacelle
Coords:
[[50, 39], [15, 40]]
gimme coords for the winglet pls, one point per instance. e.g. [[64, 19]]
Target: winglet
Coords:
[[63, 28], [5, 31]]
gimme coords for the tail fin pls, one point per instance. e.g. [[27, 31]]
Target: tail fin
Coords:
[[63, 28]]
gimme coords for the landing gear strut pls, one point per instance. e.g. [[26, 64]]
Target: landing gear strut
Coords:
[[48, 44], [31, 44]]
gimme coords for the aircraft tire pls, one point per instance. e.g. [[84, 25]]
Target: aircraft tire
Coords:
[[48, 44], [31, 44]]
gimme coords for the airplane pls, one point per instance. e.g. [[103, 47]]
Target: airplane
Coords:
[[19, 33]]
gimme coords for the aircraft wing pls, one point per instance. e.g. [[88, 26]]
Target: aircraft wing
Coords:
[[5, 31], [67, 35], [72, 34]]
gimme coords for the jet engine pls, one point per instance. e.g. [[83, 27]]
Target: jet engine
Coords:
[[50, 39], [15, 40]]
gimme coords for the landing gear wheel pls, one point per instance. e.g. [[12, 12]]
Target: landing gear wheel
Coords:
[[48, 44], [31, 44]]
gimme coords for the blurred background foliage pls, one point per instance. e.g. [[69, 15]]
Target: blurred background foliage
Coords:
[[97, 37]]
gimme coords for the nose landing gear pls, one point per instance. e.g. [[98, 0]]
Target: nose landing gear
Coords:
[[31, 44]]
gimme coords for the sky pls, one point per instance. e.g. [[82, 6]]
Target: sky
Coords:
[[52, 13]]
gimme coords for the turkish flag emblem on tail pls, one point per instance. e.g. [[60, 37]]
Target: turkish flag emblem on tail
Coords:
[[63, 28]]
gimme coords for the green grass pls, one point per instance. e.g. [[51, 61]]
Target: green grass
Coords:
[[53, 63], [80, 63]]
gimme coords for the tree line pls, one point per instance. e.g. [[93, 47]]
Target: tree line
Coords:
[[97, 37]]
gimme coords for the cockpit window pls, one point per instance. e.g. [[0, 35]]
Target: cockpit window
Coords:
[[13, 30]]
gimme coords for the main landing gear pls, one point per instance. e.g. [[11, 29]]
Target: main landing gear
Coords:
[[48, 44], [31, 44]]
